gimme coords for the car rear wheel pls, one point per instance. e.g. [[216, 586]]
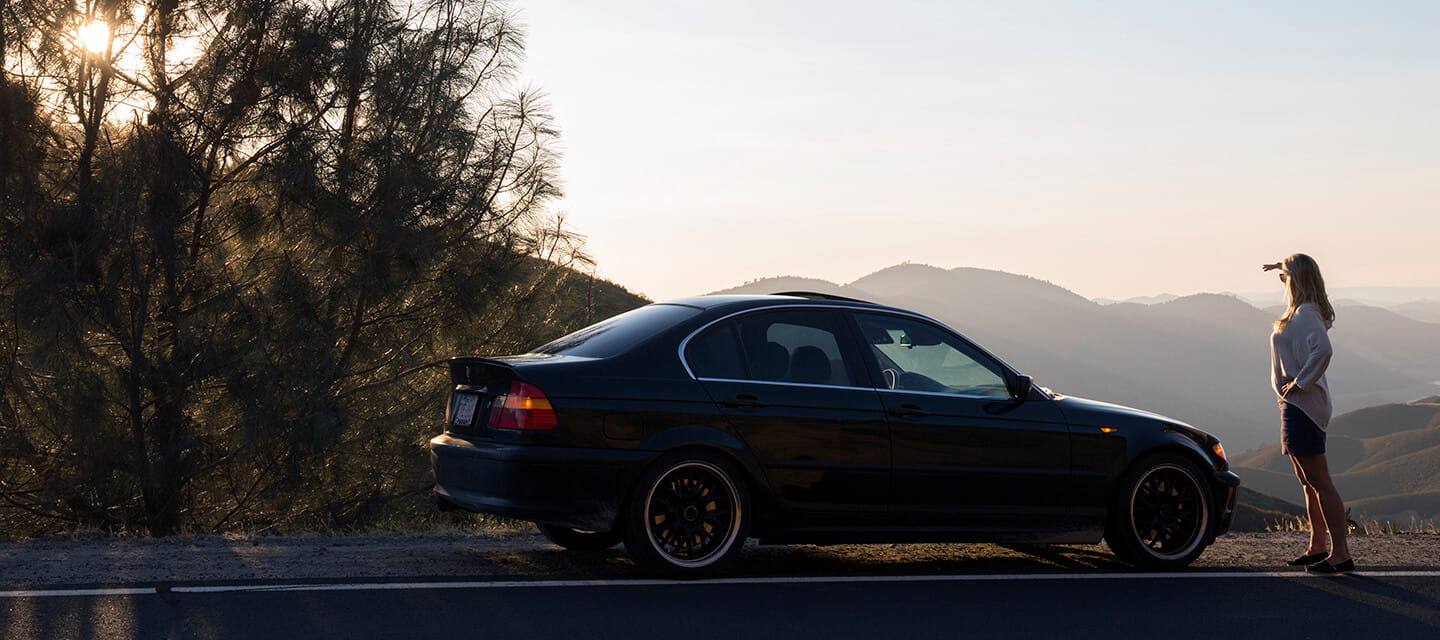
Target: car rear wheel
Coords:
[[1162, 514], [689, 515], [579, 539]]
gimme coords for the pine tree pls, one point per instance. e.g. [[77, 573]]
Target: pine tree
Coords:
[[238, 237]]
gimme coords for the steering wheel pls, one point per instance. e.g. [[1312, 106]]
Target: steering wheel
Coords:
[[920, 382], [891, 376]]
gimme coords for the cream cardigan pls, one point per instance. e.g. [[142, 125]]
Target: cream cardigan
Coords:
[[1302, 353]]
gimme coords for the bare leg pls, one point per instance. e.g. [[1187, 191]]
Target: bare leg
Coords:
[[1313, 511], [1317, 475]]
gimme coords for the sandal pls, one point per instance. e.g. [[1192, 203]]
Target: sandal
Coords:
[[1327, 568]]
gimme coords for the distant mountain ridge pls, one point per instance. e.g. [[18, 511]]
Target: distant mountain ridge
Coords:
[[1416, 303], [1155, 299], [1203, 358], [1424, 310]]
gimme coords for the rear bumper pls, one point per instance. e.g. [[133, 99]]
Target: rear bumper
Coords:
[[580, 488], [1227, 493]]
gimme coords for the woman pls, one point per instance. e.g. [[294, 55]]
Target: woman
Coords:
[[1299, 353]]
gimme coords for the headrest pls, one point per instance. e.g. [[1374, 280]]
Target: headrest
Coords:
[[770, 362], [810, 364]]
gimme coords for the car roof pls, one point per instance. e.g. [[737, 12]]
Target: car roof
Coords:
[[731, 302]]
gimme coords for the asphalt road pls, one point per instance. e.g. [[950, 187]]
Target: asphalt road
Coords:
[[1078, 605]]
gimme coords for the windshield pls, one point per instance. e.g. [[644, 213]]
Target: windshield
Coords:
[[615, 335]]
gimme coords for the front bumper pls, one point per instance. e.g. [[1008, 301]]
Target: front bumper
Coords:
[[1227, 494], [564, 486]]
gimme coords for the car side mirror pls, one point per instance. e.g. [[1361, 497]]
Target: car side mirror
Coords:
[[1020, 387]]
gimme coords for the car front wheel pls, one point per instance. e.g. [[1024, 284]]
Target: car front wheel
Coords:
[[689, 515], [1161, 515]]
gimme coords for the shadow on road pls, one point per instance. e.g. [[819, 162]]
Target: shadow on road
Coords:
[[1384, 596], [791, 560]]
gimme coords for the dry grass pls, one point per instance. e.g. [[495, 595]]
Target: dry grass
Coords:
[[1362, 527], [413, 516]]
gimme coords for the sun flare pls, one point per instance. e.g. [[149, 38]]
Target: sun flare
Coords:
[[94, 37]]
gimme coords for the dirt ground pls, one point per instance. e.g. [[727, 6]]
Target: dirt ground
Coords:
[[526, 555]]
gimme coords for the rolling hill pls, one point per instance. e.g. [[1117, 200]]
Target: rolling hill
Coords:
[[1385, 461], [1257, 511]]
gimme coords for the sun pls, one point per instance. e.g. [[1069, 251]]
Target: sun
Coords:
[[94, 37]]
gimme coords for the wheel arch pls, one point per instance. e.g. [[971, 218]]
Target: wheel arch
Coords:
[[1183, 447], [701, 438], [1179, 445]]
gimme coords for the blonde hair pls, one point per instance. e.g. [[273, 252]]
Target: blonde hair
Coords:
[[1303, 284]]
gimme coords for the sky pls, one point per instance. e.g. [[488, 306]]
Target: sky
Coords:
[[1117, 148]]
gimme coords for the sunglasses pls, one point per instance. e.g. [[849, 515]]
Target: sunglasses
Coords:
[[1284, 276]]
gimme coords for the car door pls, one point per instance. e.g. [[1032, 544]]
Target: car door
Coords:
[[964, 453], [790, 383]]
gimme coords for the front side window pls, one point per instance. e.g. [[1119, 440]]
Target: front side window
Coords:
[[918, 356], [799, 346]]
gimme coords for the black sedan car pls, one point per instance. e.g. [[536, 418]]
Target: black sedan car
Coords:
[[682, 428]]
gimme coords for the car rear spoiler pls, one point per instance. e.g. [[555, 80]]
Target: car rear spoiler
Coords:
[[472, 370]]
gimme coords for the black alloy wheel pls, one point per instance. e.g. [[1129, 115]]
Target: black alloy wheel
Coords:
[[688, 516], [579, 539], [1167, 510], [1161, 516]]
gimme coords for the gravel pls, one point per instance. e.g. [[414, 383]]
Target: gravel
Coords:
[[76, 561]]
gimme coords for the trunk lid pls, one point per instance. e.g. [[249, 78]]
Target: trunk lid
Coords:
[[476, 383]]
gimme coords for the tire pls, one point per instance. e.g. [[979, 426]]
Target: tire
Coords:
[[578, 540], [688, 515], [1162, 514]]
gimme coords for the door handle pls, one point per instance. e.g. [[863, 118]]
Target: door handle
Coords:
[[745, 401], [909, 411]]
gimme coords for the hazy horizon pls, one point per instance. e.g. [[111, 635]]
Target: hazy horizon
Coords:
[[1384, 295], [1117, 149]]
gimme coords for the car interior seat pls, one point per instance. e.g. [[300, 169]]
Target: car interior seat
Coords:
[[810, 365], [771, 361]]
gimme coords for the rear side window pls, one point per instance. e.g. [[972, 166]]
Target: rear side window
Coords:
[[800, 346], [618, 334], [716, 353]]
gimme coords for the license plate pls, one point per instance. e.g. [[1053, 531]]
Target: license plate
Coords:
[[465, 404]]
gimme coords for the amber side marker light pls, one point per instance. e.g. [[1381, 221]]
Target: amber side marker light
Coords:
[[1219, 451], [1107, 429]]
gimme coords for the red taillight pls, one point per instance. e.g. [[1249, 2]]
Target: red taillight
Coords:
[[524, 407]]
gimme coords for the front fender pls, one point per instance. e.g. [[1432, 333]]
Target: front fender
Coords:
[[1172, 440]]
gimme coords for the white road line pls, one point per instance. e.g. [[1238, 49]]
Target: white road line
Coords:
[[553, 584], [530, 584]]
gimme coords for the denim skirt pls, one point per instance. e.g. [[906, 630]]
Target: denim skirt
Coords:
[[1299, 435]]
